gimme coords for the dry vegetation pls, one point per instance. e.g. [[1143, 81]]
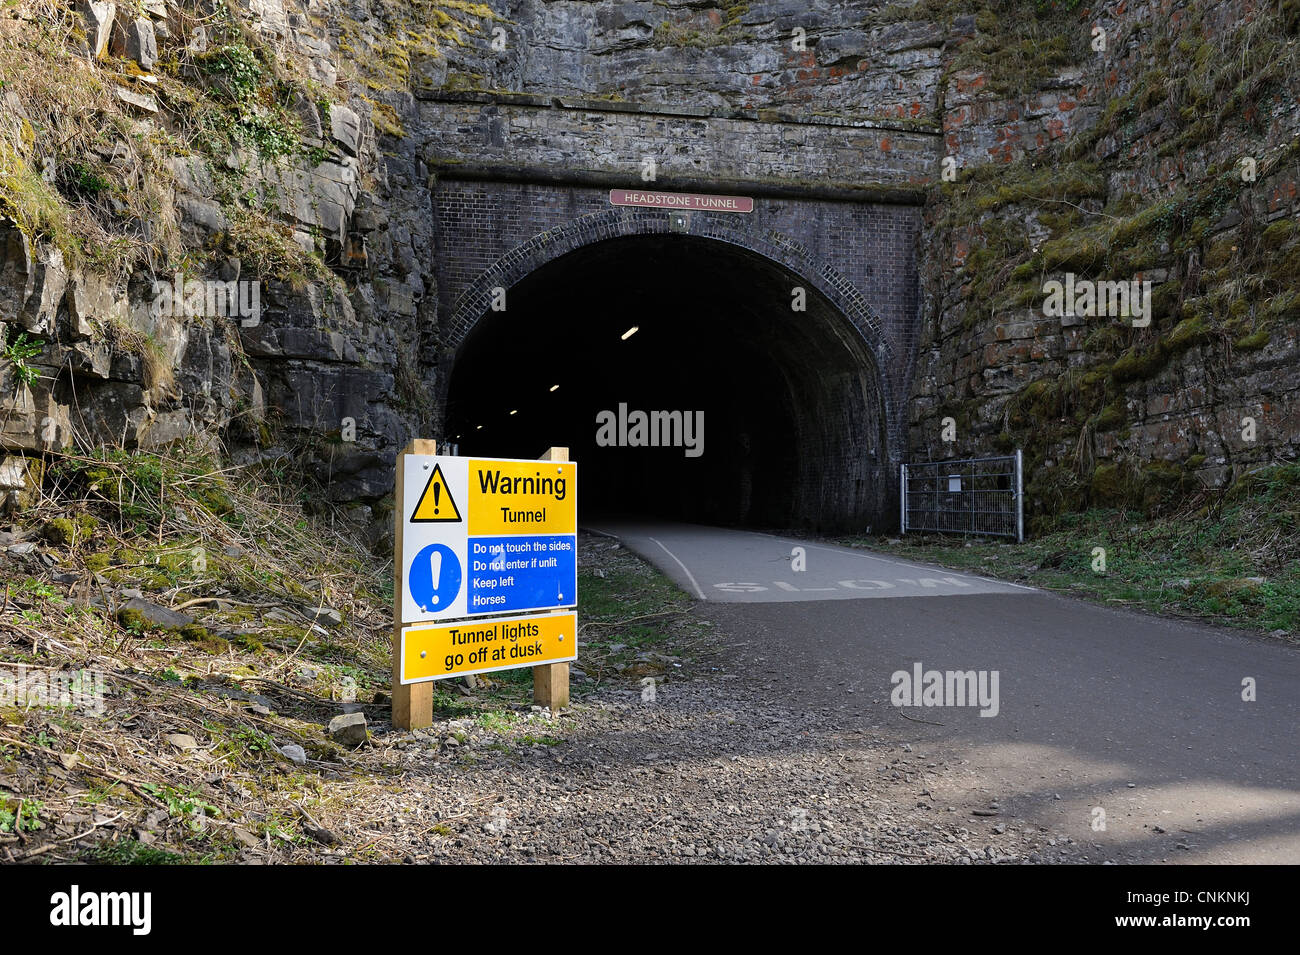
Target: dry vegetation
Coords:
[[84, 166], [231, 617], [75, 167], [282, 613]]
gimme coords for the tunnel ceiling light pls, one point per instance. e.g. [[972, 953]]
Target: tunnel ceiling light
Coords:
[[555, 387], [630, 332]]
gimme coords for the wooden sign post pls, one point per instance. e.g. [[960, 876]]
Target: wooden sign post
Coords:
[[412, 702], [551, 680], [426, 649]]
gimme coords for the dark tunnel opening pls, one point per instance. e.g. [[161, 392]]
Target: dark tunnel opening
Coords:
[[793, 427]]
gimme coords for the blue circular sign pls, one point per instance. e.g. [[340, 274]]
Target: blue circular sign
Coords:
[[434, 578]]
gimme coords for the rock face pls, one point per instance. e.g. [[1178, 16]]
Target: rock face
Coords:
[[315, 327], [298, 334], [1125, 154]]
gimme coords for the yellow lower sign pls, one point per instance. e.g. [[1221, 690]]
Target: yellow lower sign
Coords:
[[481, 646]]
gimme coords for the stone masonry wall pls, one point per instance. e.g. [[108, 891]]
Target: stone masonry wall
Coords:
[[857, 60], [616, 139]]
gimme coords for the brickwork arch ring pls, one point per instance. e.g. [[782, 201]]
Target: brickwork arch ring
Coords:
[[793, 256]]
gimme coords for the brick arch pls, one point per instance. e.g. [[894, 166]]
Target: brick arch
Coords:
[[791, 255]]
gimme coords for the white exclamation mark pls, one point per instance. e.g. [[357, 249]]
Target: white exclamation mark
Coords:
[[435, 574]]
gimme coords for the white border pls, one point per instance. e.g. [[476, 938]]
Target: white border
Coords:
[[460, 541]]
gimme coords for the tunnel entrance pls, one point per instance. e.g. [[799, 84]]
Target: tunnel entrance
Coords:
[[793, 427]]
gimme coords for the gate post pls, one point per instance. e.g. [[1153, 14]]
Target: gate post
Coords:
[[1020, 497], [902, 500]]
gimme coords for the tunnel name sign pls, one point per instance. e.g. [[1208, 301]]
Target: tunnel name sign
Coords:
[[680, 201], [486, 536]]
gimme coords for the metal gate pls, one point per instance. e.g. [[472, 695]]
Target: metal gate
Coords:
[[974, 496]]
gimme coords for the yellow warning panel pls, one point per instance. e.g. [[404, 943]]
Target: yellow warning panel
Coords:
[[435, 504], [522, 497], [481, 646]]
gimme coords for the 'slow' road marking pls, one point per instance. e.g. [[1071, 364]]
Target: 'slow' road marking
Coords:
[[885, 560], [925, 583]]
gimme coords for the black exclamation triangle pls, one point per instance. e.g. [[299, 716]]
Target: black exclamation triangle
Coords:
[[436, 500]]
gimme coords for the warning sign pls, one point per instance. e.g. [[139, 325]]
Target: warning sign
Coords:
[[515, 497], [435, 503], [488, 536], [481, 646]]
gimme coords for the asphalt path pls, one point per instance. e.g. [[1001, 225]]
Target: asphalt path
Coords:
[[1126, 731]]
